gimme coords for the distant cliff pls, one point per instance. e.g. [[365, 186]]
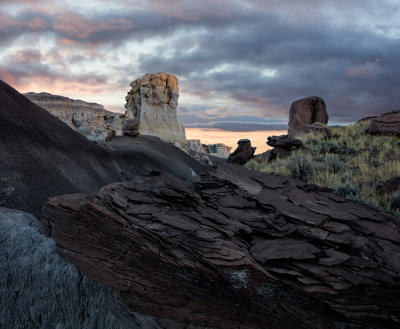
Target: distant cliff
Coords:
[[91, 119]]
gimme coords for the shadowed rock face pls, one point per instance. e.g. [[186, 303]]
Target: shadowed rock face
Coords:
[[306, 111], [387, 124], [237, 249], [40, 156]]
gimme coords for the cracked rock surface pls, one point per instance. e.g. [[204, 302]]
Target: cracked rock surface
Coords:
[[239, 249]]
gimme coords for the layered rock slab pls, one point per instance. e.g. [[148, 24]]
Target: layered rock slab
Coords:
[[237, 249], [153, 100]]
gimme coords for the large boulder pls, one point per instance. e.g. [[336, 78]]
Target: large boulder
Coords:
[[284, 142], [238, 249], [153, 100], [387, 124], [306, 111], [243, 153]]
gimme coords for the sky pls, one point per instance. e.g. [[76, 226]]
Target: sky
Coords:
[[240, 64]]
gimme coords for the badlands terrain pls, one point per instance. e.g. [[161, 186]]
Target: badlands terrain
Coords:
[[113, 220]]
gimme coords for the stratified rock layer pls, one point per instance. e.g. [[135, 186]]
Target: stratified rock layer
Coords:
[[306, 111], [387, 124], [240, 249], [90, 119], [153, 100]]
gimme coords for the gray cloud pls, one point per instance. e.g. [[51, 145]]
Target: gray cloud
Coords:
[[256, 57]]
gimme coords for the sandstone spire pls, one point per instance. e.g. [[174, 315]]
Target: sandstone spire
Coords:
[[153, 100]]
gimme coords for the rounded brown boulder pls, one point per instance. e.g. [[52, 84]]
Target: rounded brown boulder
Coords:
[[306, 111]]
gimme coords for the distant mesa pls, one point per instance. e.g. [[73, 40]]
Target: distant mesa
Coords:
[[305, 112], [92, 120], [153, 100]]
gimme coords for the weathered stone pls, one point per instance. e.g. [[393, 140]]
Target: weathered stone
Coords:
[[153, 100], [131, 128], [206, 160], [90, 119], [219, 150], [387, 124], [284, 142], [110, 135], [306, 111], [231, 249], [243, 153]]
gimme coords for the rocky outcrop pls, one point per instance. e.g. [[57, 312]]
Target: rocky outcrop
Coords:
[[282, 147], [90, 119], [284, 142], [306, 111], [42, 157], [238, 249], [387, 124], [219, 150], [153, 100], [131, 128], [243, 153]]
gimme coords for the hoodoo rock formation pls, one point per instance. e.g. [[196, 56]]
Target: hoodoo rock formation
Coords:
[[306, 111], [243, 153], [153, 100], [239, 249], [90, 119]]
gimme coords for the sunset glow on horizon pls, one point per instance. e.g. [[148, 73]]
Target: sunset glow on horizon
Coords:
[[230, 138]]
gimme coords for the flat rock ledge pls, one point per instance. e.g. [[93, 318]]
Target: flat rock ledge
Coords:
[[239, 249]]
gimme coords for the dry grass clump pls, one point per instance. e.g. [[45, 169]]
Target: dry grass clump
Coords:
[[354, 164]]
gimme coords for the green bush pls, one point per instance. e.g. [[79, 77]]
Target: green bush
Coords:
[[348, 191], [300, 168], [333, 163], [324, 146]]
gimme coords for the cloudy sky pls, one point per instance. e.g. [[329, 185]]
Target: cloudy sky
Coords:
[[240, 64]]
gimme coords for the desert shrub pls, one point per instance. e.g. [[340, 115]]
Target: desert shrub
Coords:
[[348, 191], [324, 146], [394, 202], [300, 168], [252, 164], [333, 163]]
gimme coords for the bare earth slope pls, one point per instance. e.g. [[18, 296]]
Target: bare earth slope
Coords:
[[40, 156]]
